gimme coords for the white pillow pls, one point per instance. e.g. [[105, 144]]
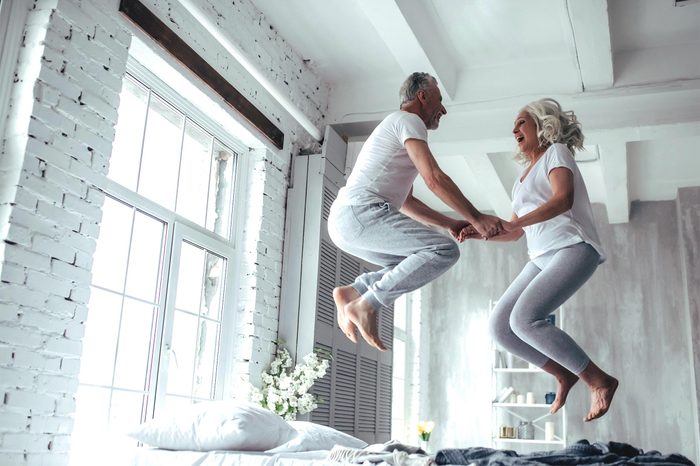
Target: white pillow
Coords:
[[216, 425], [311, 437]]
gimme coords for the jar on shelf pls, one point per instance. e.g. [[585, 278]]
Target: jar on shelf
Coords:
[[526, 430]]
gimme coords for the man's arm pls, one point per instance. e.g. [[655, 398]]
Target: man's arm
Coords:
[[417, 210], [444, 188]]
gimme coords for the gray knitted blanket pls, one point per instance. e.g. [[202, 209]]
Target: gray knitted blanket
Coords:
[[581, 452]]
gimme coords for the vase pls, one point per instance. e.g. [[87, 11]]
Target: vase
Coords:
[[424, 445]]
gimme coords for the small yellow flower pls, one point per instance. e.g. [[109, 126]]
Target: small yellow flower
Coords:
[[425, 428]]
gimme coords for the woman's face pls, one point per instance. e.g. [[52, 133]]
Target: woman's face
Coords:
[[525, 133]]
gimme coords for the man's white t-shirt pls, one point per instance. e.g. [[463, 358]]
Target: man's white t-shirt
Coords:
[[571, 227], [383, 171]]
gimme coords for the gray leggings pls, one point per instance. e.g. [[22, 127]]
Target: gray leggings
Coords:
[[517, 323]]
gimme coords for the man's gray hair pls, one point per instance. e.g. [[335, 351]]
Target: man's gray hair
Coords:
[[415, 82]]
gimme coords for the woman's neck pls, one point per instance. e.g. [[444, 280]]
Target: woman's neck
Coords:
[[535, 154]]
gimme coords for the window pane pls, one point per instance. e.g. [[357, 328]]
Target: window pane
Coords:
[[220, 202], [161, 153], [206, 358], [134, 350], [126, 152], [196, 324], [181, 364], [213, 286], [145, 257], [109, 267], [125, 411], [189, 282], [174, 404], [195, 167], [399, 368], [91, 411], [100, 341], [400, 312]]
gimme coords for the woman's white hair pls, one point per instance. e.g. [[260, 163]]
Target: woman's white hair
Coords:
[[555, 125]]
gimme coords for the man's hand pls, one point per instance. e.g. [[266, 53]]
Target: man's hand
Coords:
[[469, 232], [488, 225], [456, 227]]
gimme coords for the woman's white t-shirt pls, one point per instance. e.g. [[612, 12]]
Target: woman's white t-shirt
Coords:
[[571, 227], [383, 171]]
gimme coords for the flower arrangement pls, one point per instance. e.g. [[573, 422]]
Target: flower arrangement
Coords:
[[425, 428], [285, 390]]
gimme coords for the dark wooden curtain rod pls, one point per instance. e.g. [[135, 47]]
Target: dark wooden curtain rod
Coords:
[[156, 29]]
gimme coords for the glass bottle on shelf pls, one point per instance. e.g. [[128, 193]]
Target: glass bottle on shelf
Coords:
[[526, 430]]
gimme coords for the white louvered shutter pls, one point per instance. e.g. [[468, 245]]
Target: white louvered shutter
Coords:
[[355, 394]]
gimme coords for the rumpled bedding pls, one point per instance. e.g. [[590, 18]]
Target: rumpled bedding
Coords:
[[391, 453], [581, 452]]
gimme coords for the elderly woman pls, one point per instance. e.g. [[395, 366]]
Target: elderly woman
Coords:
[[551, 207]]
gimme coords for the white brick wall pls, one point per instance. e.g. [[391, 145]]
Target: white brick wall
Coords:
[[61, 124], [58, 140], [258, 308]]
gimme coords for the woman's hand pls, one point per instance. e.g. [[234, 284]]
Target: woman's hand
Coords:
[[487, 225], [509, 226]]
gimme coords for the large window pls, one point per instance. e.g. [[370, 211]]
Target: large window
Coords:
[[156, 337]]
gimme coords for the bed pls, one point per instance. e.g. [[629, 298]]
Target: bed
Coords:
[[228, 434], [224, 433]]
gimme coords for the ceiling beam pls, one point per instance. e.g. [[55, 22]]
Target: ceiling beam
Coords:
[[411, 38], [613, 167], [591, 33], [490, 182]]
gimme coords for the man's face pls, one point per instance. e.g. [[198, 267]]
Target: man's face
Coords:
[[433, 108]]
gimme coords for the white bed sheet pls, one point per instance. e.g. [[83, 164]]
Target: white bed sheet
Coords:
[[156, 457]]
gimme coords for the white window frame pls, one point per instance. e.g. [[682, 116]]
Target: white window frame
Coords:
[[13, 18], [182, 232], [178, 228]]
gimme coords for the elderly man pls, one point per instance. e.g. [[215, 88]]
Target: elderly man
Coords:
[[376, 217]]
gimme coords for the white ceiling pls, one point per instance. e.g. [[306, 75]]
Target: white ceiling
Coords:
[[629, 68]]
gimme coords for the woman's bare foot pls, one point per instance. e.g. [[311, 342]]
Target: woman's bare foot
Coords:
[[601, 397], [342, 295], [362, 314], [565, 380], [564, 383]]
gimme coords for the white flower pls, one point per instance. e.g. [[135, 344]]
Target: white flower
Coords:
[[285, 389]]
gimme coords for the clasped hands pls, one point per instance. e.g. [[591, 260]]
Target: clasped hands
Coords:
[[487, 226]]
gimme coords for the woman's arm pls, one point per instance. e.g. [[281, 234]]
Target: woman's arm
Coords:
[[562, 182], [514, 234]]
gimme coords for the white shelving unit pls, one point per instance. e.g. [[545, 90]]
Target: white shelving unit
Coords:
[[506, 413]]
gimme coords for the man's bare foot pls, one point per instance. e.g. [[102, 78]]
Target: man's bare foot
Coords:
[[342, 295], [564, 382], [601, 397], [362, 314]]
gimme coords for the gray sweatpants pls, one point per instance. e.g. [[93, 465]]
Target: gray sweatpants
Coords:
[[517, 323], [411, 253]]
